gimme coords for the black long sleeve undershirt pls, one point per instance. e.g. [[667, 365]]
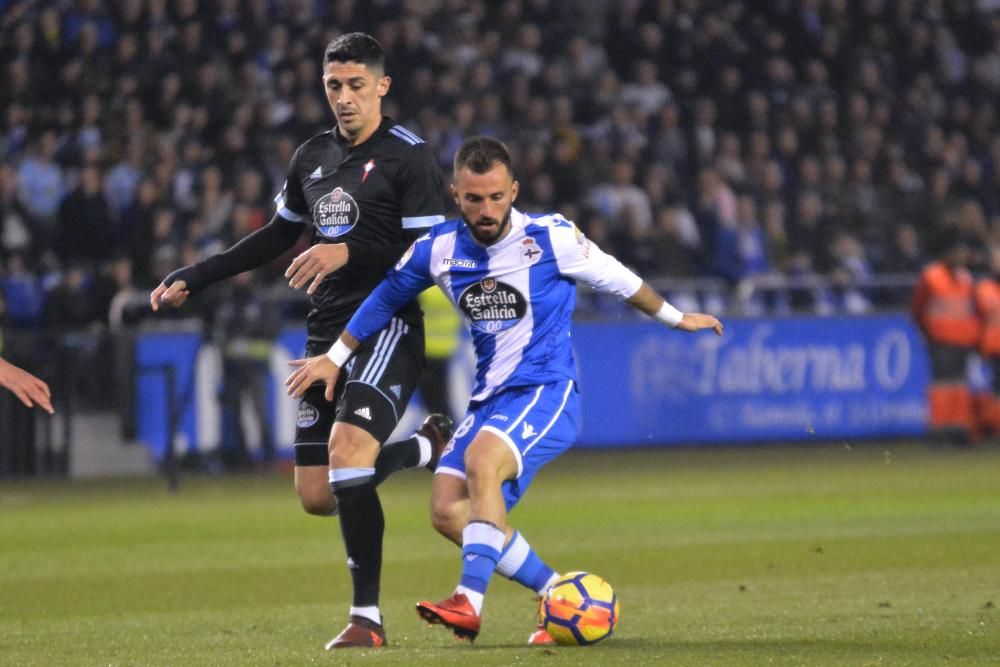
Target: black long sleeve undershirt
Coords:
[[254, 250]]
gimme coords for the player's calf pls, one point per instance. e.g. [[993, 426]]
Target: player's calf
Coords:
[[449, 507]]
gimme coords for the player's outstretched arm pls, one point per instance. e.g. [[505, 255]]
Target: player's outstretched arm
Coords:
[[29, 389], [699, 321], [580, 259], [648, 301], [256, 249], [319, 261]]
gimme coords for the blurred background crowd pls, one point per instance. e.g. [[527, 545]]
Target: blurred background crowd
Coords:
[[692, 138]]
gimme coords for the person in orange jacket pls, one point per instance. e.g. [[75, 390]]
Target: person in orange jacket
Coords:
[[988, 308], [944, 309]]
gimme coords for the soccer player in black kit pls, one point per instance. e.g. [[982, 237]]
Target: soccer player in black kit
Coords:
[[366, 190]]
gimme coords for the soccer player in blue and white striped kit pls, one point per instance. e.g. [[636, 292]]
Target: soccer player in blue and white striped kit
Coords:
[[513, 276]]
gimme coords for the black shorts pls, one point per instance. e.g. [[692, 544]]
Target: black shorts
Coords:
[[371, 393]]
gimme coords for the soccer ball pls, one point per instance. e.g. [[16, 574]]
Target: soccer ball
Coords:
[[580, 609]]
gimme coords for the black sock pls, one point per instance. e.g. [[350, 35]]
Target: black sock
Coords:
[[395, 456], [362, 525]]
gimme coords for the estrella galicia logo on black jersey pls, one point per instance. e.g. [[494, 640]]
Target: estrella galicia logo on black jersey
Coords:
[[307, 415], [492, 306], [336, 214]]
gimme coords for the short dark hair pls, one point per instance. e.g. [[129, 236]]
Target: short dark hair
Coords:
[[358, 47], [480, 154]]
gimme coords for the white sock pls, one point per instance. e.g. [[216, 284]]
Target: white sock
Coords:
[[425, 450], [548, 584], [475, 598], [371, 613]]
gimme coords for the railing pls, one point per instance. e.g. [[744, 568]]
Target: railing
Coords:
[[768, 294]]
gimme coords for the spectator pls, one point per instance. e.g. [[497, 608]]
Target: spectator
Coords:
[[905, 254], [22, 294], [674, 243], [84, 232], [15, 236], [121, 183], [888, 132], [41, 186], [611, 199]]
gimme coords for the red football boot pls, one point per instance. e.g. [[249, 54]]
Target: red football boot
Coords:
[[456, 613], [359, 633], [541, 637]]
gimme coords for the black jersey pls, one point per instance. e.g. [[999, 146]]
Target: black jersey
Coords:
[[377, 197]]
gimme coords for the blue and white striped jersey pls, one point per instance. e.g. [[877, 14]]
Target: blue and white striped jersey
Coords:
[[516, 295]]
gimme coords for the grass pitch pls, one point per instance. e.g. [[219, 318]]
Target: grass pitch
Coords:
[[802, 556]]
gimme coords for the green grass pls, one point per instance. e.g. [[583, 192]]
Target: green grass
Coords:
[[823, 556]]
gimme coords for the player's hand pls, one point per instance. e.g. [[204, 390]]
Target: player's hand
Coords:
[[175, 295], [699, 321], [30, 390], [315, 264], [312, 370]]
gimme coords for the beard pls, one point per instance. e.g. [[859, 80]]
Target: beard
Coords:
[[488, 231]]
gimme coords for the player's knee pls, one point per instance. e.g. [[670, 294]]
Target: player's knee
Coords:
[[448, 519], [316, 500], [481, 465], [351, 448]]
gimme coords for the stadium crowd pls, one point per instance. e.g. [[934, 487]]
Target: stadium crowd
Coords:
[[690, 138]]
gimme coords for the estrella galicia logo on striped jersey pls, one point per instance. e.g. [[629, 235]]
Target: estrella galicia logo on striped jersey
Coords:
[[492, 306], [336, 213]]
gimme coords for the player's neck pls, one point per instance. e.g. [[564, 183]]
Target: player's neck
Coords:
[[362, 136]]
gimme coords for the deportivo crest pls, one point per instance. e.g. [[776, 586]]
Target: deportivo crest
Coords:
[[530, 252], [492, 306], [307, 415], [335, 214]]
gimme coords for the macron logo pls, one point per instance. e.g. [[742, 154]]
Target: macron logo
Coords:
[[527, 430], [462, 263], [364, 413]]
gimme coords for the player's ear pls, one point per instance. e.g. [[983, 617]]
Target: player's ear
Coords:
[[383, 86], [454, 194], [514, 187]]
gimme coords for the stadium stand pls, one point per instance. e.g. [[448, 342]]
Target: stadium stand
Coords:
[[756, 157]]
